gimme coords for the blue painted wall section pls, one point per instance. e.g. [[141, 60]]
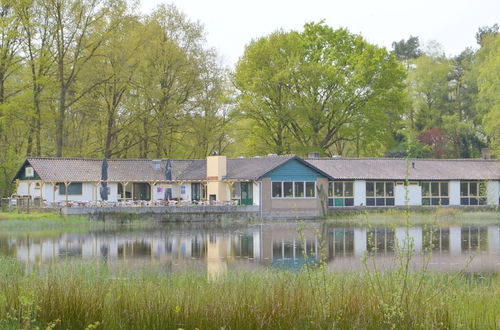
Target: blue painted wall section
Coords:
[[293, 170]]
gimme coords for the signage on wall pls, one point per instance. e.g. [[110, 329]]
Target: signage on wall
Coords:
[[183, 189], [29, 172]]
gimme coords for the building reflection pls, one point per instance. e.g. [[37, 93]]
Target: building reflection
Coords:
[[252, 247]]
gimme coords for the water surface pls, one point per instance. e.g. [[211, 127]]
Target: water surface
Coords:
[[216, 247]]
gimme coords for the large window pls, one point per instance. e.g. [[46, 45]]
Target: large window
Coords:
[[293, 189], [379, 193], [74, 188], [435, 193], [341, 193], [472, 193]]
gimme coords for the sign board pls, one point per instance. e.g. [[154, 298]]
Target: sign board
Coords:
[[29, 172], [183, 189]]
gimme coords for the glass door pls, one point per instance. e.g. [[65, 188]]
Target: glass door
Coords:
[[246, 193]]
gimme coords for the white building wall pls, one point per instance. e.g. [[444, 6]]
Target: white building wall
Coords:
[[359, 192], [158, 191], [454, 191], [177, 189], [493, 191], [86, 196], [256, 193], [22, 188], [113, 192], [414, 195]]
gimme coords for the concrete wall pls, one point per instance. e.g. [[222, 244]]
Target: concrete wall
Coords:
[[454, 191], [414, 195], [359, 192], [493, 190]]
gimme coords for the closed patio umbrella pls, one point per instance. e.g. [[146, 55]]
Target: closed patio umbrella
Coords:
[[168, 178], [104, 178]]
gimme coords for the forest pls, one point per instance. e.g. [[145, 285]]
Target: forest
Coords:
[[98, 78]]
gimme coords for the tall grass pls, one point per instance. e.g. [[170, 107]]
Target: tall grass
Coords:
[[79, 295]]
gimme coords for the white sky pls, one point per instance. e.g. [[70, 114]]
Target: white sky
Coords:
[[231, 24]]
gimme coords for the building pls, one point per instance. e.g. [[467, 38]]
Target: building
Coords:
[[277, 185]]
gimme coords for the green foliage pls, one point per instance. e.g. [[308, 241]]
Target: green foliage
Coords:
[[320, 90], [78, 295], [489, 89]]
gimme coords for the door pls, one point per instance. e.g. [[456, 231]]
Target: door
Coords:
[[142, 191], [195, 191], [246, 193]]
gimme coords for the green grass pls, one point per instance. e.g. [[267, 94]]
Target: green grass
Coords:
[[76, 295], [35, 215]]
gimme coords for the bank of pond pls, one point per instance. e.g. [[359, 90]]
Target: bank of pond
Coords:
[[74, 295], [377, 271]]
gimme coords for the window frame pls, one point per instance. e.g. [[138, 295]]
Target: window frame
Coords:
[[63, 186], [380, 200], [435, 200], [481, 196], [293, 195], [335, 200]]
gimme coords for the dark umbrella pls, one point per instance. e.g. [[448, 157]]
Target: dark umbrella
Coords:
[[168, 177], [104, 178]]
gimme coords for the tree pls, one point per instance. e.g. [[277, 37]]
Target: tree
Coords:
[[263, 78], [428, 81], [405, 50], [489, 89], [79, 28], [320, 87], [486, 31], [169, 79]]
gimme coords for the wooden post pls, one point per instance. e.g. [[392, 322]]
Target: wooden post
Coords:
[[124, 188], [66, 185]]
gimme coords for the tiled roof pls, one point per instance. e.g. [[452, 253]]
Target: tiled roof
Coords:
[[237, 168], [134, 170], [67, 169], [89, 170], [254, 168], [418, 169]]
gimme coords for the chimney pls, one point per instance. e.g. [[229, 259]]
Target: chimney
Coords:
[[485, 153], [313, 155], [216, 172]]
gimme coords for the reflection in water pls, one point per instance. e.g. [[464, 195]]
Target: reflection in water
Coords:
[[215, 248]]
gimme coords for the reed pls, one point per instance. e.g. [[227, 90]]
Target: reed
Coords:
[[78, 295]]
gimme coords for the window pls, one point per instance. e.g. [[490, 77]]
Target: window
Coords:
[[435, 193], [310, 189], [293, 189], [299, 189], [288, 189], [472, 193], [341, 193], [379, 193], [74, 188], [277, 189]]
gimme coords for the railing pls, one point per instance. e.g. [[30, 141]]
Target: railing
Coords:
[[140, 203]]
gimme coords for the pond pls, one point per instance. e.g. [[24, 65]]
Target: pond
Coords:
[[219, 247]]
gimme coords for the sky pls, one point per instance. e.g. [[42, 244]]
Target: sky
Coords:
[[232, 24]]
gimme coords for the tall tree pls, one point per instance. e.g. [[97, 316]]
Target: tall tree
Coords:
[[169, 78], [489, 89], [321, 87], [263, 78], [79, 28]]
